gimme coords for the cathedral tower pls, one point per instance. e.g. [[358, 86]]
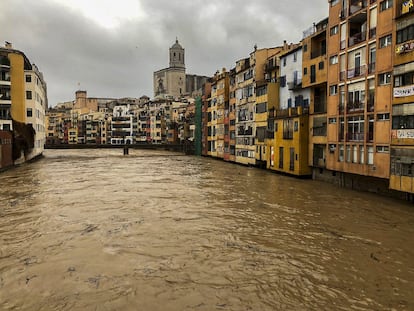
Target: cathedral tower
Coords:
[[177, 56]]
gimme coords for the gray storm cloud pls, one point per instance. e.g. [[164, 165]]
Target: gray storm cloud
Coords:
[[70, 48]]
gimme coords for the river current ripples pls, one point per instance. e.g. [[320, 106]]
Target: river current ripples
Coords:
[[96, 230]]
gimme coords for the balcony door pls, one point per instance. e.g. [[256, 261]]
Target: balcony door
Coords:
[[357, 64]]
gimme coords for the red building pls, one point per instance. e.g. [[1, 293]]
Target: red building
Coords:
[[6, 149]]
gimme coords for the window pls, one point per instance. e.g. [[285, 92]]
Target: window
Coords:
[[334, 30], [386, 4], [28, 78], [348, 153], [333, 60], [281, 157], [305, 48], [28, 94], [305, 71], [385, 41], [405, 34], [383, 116], [284, 62], [288, 129], [262, 90], [283, 81], [321, 65], [361, 154], [333, 89], [370, 155], [404, 79], [312, 74], [341, 153], [295, 56], [29, 112], [262, 107], [332, 120], [355, 128], [261, 134], [383, 149], [403, 122], [384, 78], [354, 154]]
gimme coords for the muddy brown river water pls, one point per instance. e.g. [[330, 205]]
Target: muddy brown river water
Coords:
[[95, 230]]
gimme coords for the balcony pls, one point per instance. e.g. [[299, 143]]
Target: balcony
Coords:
[[5, 94], [319, 106], [356, 72], [370, 136], [318, 53], [372, 33], [341, 108], [355, 136], [245, 131], [371, 68], [371, 102], [270, 66], [356, 5], [295, 84], [342, 15], [357, 38], [319, 131], [5, 77], [355, 106]]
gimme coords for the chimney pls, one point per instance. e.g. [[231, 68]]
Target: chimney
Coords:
[[8, 45]]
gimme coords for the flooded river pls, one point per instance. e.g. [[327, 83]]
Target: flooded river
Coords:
[[95, 230]]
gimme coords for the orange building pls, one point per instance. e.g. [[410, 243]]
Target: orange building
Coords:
[[315, 64], [360, 49]]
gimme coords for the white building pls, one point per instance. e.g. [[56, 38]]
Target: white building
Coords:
[[122, 126], [36, 103], [291, 92]]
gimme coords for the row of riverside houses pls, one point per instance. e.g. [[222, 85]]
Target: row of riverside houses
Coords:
[[109, 121], [167, 119], [23, 101], [338, 106]]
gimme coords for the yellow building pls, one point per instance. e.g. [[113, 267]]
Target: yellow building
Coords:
[[402, 133], [13, 85], [232, 116], [250, 76], [23, 101], [289, 150], [245, 101]]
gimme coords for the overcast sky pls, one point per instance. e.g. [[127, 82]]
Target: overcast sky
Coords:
[[112, 47]]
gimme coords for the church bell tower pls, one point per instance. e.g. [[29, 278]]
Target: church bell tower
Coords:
[[177, 56]]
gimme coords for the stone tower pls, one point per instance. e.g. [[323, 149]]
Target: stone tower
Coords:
[[177, 56]]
